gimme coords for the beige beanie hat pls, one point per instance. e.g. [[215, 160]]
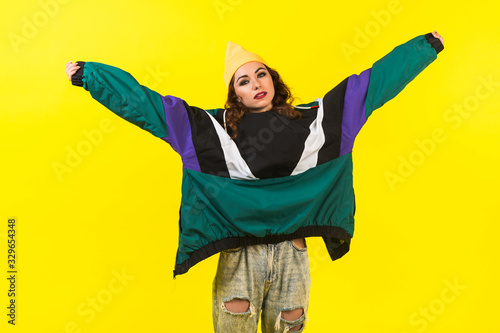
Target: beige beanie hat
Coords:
[[236, 56]]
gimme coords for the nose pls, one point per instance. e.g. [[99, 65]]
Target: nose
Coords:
[[256, 85]]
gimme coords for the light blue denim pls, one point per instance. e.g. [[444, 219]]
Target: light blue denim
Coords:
[[272, 277]]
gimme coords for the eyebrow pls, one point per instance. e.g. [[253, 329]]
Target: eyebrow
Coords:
[[258, 69]]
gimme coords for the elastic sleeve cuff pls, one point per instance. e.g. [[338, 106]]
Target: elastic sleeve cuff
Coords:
[[435, 42], [76, 79]]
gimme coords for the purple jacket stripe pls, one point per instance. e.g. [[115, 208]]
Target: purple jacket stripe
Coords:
[[354, 116], [179, 131]]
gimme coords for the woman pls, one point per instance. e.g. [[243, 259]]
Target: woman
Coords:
[[261, 175]]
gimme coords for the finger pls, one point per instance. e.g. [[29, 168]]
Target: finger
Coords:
[[72, 68], [70, 73]]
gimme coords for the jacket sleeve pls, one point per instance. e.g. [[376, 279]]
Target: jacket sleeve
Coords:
[[375, 86], [393, 72], [121, 93]]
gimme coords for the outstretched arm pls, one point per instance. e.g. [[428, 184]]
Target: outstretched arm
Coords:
[[375, 86], [393, 72], [121, 93]]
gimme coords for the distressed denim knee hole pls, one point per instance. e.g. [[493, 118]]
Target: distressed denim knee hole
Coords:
[[238, 307], [291, 319]]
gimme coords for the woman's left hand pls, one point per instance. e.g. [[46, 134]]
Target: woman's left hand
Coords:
[[438, 36]]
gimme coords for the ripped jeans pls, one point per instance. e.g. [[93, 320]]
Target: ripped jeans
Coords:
[[272, 278]]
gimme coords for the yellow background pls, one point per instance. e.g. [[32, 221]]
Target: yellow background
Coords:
[[116, 211]]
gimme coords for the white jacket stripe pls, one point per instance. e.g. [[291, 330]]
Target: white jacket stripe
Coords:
[[238, 168], [313, 143]]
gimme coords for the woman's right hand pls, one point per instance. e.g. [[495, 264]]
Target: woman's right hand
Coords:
[[71, 69], [438, 36]]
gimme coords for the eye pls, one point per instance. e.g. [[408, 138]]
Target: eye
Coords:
[[261, 74], [243, 82]]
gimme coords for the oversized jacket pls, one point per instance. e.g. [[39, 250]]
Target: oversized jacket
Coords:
[[280, 178]]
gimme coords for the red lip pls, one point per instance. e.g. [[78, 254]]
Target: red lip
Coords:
[[260, 95]]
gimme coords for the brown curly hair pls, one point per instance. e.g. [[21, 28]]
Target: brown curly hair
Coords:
[[282, 103]]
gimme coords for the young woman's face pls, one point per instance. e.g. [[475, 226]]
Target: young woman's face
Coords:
[[254, 86]]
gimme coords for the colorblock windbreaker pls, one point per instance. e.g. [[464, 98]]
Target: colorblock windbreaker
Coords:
[[279, 179]]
